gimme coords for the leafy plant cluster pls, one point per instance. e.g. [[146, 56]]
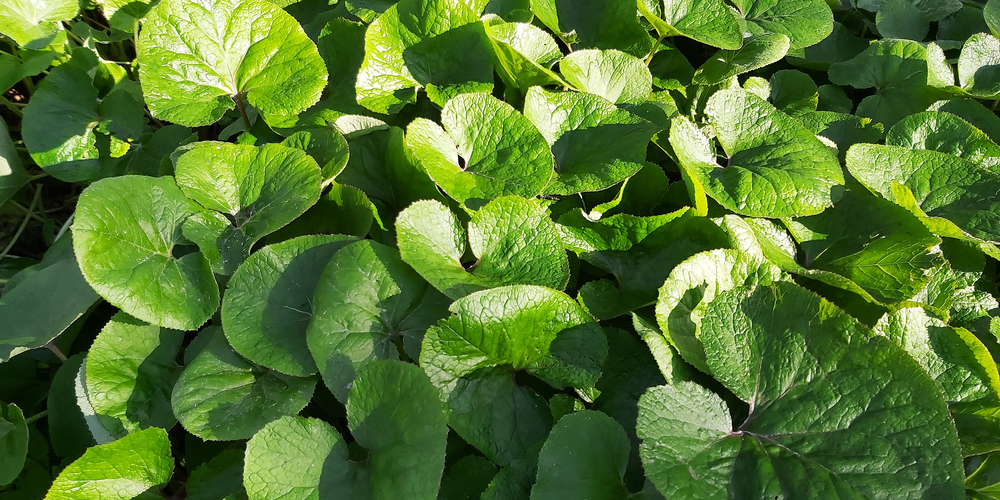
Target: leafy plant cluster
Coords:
[[499, 249]]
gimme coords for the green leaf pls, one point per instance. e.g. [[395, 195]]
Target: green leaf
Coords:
[[878, 245], [640, 251], [14, 438], [757, 51], [221, 397], [604, 300], [707, 21], [841, 45], [842, 129], [953, 357], [595, 24], [897, 69], [219, 478], [269, 302], [68, 120], [934, 11], [130, 373], [776, 167], [43, 306], [584, 457], [513, 240], [829, 401], [804, 22], [125, 232], [611, 74], [793, 92], [595, 144], [33, 25], [381, 166], [945, 133], [125, 15], [440, 45], [12, 175], [694, 284], [514, 159], [991, 12], [973, 112], [367, 304], [393, 414], [952, 196], [500, 418], [523, 55], [68, 429], [978, 73], [256, 190], [120, 470], [902, 19], [325, 145], [985, 478], [198, 57]]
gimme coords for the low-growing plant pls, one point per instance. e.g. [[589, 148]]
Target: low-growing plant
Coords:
[[499, 249]]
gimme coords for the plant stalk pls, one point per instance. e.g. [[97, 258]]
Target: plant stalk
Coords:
[[24, 222], [243, 110], [37, 416]]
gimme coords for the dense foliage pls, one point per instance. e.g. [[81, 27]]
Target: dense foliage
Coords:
[[499, 249]]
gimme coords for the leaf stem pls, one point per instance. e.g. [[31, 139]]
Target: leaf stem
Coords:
[[16, 110], [55, 350], [65, 227], [994, 107], [243, 110], [652, 52], [24, 223], [37, 416]]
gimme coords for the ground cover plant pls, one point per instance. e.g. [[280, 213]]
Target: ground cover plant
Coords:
[[499, 249]]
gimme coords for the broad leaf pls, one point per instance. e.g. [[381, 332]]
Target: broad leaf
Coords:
[[130, 374], [523, 55], [897, 69], [200, 58], [521, 326], [776, 167], [584, 457], [757, 51], [595, 24], [393, 414], [953, 357], [952, 196], [804, 22], [325, 145], [437, 44], [222, 397], [595, 144], [121, 470], [14, 441], [694, 284], [978, 71], [934, 11], [32, 24], [68, 430], [43, 306], [820, 386], [945, 133], [513, 240], [707, 21], [256, 190], [611, 74], [473, 167], [368, 303], [269, 302], [878, 245], [125, 236], [73, 129], [640, 251]]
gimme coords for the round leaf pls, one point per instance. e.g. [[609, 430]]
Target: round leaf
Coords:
[[613, 75], [221, 397], [584, 457], [513, 240], [130, 374], [367, 303], [197, 56], [269, 302], [124, 236]]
